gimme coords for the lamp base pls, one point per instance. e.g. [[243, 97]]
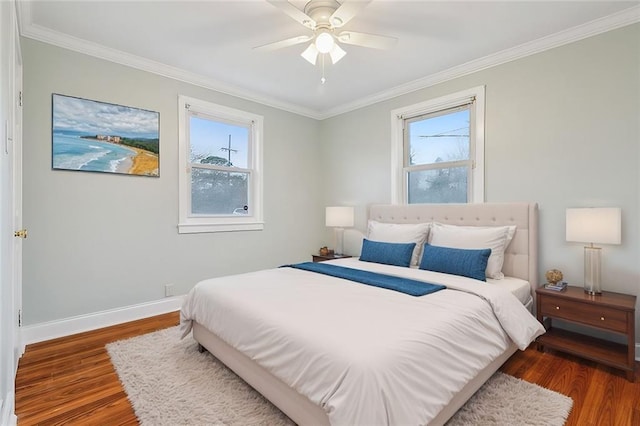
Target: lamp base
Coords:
[[339, 234], [592, 284]]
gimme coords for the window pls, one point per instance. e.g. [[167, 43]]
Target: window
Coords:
[[438, 150], [220, 168]]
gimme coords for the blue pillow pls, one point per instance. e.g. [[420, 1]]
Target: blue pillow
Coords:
[[464, 262], [397, 254]]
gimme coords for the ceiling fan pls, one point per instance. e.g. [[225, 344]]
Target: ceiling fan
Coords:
[[324, 18]]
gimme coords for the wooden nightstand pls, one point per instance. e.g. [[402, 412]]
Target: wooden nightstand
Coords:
[[610, 312], [321, 258]]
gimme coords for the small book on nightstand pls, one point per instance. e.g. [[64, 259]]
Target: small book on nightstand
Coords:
[[559, 286]]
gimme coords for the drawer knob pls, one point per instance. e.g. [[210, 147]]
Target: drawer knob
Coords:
[[558, 308], [601, 318]]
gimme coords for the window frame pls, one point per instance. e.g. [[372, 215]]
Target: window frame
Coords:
[[190, 223], [399, 146]]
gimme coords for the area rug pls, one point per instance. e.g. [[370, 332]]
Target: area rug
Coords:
[[170, 383]]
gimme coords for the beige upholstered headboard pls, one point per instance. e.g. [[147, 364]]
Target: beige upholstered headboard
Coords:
[[521, 256]]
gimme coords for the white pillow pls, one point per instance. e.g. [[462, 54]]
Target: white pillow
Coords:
[[400, 233], [496, 238]]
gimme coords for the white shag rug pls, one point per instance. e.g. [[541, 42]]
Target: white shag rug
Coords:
[[170, 383]]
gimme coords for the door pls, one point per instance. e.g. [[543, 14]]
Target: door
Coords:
[[19, 234], [10, 207]]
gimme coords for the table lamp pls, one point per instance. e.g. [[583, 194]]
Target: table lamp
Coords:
[[339, 218], [593, 225]]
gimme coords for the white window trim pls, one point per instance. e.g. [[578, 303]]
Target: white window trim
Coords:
[[189, 224], [398, 180]]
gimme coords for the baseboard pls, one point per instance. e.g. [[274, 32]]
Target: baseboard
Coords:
[[7, 415], [81, 323]]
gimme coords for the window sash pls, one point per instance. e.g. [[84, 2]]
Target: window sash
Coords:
[[468, 164], [249, 125], [196, 223], [218, 215], [473, 99], [221, 168], [408, 168], [413, 119]]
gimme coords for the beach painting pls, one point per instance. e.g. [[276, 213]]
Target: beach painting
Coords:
[[102, 137]]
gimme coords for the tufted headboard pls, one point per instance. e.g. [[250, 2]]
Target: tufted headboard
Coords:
[[521, 256]]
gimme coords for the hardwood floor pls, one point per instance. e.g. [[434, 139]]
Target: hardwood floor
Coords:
[[601, 395], [71, 381]]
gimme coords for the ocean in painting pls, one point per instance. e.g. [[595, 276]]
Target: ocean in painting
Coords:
[[72, 152]]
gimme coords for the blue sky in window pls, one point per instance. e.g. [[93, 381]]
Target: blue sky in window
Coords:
[[208, 137], [430, 138]]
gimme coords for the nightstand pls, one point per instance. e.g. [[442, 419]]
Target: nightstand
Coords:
[[321, 258], [610, 312]]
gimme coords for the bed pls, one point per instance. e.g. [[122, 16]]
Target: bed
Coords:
[[323, 359]]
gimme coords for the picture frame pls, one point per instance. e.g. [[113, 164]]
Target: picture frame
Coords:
[[95, 136]]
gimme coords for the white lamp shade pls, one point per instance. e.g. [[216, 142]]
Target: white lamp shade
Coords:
[[594, 225], [339, 217], [310, 54], [336, 53]]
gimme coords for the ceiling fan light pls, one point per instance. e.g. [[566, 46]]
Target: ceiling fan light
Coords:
[[324, 42], [336, 53], [310, 54]]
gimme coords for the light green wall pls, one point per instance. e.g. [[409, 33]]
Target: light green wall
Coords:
[[99, 241], [562, 130]]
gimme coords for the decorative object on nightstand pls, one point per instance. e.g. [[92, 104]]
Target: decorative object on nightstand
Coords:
[[339, 218], [593, 225], [553, 276], [324, 251], [611, 313], [554, 280], [561, 286]]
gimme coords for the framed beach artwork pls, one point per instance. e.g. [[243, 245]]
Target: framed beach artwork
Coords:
[[96, 136]]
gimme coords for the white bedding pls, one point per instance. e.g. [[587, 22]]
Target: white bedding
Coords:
[[366, 355], [521, 289]]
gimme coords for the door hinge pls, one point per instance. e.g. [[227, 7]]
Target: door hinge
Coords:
[[20, 98], [19, 317]]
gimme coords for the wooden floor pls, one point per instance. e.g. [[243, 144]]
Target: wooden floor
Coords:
[[71, 381]]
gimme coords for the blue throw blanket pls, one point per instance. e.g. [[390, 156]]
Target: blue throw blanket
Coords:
[[390, 282]]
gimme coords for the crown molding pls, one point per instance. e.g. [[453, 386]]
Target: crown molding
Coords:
[[29, 29], [589, 29], [36, 32]]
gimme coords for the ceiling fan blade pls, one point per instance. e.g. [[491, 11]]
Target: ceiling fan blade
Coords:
[[346, 12], [336, 53], [310, 54], [367, 40], [283, 43], [294, 13]]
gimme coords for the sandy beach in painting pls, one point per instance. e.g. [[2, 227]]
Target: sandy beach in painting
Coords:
[[144, 163]]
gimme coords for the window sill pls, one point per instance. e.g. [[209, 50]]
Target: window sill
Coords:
[[196, 228]]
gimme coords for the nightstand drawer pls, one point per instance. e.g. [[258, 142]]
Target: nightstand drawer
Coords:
[[597, 316]]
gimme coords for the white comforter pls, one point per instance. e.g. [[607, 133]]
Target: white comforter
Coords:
[[367, 356]]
